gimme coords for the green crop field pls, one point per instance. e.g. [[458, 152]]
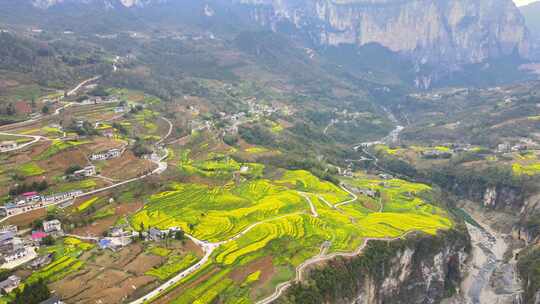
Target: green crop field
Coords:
[[30, 169], [58, 146], [56, 270], [526, 169], [174, 265], [256, 150], [76, 185], [66, 260], [217, 166], [288, 219], [86, 204], [159, 251]]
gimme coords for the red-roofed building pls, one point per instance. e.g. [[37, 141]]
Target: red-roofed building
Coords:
[[27, 194], [38, 235], [30, 197], [23, 107]]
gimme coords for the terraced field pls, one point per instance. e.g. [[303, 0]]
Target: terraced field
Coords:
[[526, 164], [286, 220]]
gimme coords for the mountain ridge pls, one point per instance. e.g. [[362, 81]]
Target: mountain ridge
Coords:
[[436, 35], [440, 39]]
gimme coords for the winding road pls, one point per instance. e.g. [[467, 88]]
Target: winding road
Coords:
[[168, 132], [160, 162], [80, 85], [34, 140], [280, 289], [354, 197], [311, 206]]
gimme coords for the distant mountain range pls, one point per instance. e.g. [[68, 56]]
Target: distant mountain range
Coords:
[[438, 36]]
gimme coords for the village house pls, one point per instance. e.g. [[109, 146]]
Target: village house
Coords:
[[38, 236], [79, 123], [9, 228], [519, 147], [23, 107], [118, 110], [6, 242], [14, 255], [385, 176], [52, 226], [14, 251], [85, 172], [11, 283], [108, 132], [106, 155], [504, 147], [155, 234], [368, 192], [8, 145], [117, 238], [42, 261], [114, 243]]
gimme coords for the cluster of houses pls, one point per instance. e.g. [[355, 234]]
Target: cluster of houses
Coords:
[[14, 251], [506, 147], [8, 145], [99, 100], [106, 155], [118, 237], [32, 200]]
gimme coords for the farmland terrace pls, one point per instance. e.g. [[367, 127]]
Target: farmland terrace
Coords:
[[266, 228]]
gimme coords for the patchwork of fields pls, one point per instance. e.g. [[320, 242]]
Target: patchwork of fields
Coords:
[[261, 221], [287, 219]]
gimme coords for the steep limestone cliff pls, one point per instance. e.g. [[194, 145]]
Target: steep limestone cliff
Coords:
[[421, 269], [445, 32]]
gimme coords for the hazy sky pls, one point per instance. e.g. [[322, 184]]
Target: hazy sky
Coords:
[[523, 2]]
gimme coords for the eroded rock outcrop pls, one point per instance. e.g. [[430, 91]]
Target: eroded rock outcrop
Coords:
[[429, 31]]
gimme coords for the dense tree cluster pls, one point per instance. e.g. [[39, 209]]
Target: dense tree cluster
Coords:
[[140, 148], [24, 187], [32, 293]]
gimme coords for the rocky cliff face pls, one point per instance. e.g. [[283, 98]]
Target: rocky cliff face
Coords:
[[438, 35], [419, 270], [430, 31], [503, 197]]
